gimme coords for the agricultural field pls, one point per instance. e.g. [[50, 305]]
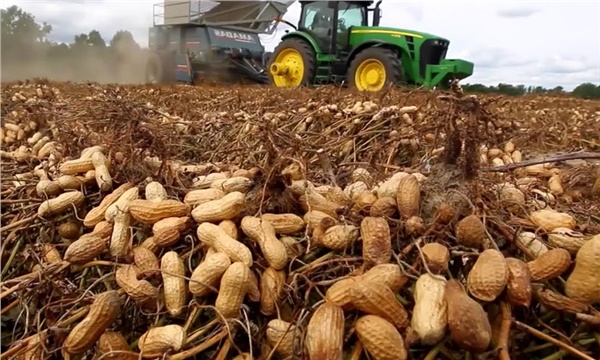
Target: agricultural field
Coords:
[[244, 222]]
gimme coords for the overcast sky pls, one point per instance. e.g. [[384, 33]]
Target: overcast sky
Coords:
[[546, 43]]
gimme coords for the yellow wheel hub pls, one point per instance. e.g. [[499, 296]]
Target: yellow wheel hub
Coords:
[[370, 75], [287, 69]]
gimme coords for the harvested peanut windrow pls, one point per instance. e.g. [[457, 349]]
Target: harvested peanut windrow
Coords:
[[380, 338], [363, 226], [103, 312], [325, 333]]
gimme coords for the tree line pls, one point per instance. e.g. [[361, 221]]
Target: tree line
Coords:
[[27, 53]]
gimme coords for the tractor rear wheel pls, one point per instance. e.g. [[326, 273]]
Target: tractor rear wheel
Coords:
[[292, 64], [157, 67], [374, 68]]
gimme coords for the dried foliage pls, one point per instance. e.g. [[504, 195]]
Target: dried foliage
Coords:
[[253, 223]]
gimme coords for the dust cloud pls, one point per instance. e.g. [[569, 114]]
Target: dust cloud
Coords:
[[110, 65]]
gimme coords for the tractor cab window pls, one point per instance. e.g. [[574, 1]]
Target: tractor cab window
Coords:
[[317, 19], [349, 14]]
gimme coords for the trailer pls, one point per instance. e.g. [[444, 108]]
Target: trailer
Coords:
[[195, 39]]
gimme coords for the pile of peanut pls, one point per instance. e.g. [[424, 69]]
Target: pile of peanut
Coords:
[[247, 259], [399, 284]]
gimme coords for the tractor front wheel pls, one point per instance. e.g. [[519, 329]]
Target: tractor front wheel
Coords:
[[374, 68], [292, 64]]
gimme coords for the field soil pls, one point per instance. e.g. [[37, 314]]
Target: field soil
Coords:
[[246, 222]]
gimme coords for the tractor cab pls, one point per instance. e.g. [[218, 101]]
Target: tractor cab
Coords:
[[329, 22]]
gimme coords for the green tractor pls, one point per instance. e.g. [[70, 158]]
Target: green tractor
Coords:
[[334, 43]]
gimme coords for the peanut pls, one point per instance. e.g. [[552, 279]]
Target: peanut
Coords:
[[150, 212], [325, 333], [285, 224], [271, 289], [518, 288], [121, 241], [489, 276], [467, 321], [225, 208], [122, 204], [583, 284], [103, 312], [233, 289], [234, 183], [214, 236], [141, 291], [377, 299], [97, 214], [173, 270], [158, 340], [277, 329], [263, 233], [201, 196], [155, 192], [61, 203], [103, 178], [339, 237], [550, 264], [145, 260], [377, 240], [113, 346], [208, 273], [408, 196], [429, 318], [380, 338]]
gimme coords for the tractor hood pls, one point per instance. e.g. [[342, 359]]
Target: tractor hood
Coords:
[[394, 32]]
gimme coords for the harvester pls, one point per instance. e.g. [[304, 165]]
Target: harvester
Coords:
[[333, 42]]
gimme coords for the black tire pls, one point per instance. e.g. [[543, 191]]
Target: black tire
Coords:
[[394, 72], [154, 72], [161, 66], [308, 58]]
